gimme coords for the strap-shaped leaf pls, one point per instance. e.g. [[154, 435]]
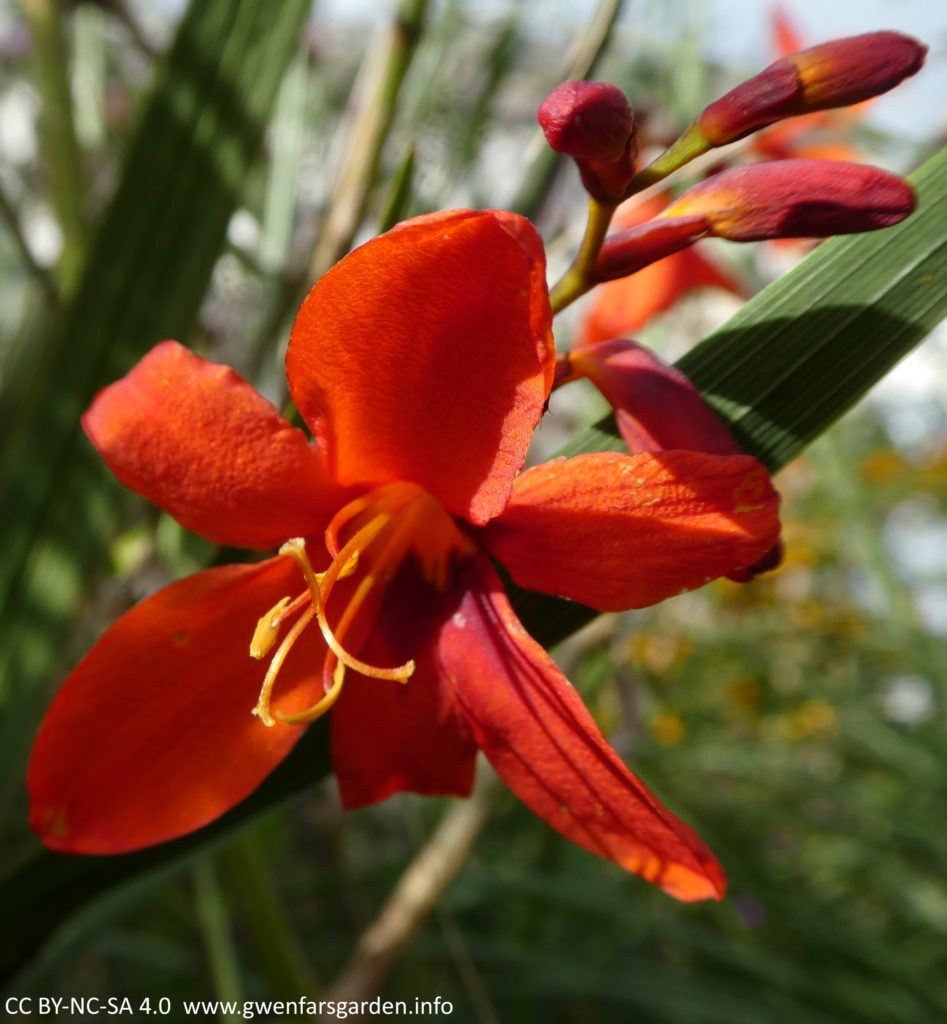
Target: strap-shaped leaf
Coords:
[[793, 360]]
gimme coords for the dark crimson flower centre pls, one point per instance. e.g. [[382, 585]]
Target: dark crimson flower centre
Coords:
[[368, 540]]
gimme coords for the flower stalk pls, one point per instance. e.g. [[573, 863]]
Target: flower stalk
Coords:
[[213, 919], [580, 277]]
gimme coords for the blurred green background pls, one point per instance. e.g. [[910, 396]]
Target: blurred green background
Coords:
[[190, 178]]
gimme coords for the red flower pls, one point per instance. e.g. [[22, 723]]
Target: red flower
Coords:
[[421, 363]]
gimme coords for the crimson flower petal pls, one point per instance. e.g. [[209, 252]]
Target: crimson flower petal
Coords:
[[198, 441], [546, 747], [426, 355], [389, 737], [618, 532], [151, 736], [656, 406], [657, 409]]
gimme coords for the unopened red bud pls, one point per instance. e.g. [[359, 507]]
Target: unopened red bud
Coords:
[[587, 120], [626, 252], [594, 124], [832, 74], [796, 199]]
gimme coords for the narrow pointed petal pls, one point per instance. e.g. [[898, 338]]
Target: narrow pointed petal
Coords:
[[807, 144], [151, 736], [786, 40], [390, 737], [546, 747], [617, 532], [198, 441], [426, 355], [656, 407]]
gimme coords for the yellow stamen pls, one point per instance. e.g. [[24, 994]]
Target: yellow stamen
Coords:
[[345, 515], [262, 709], [320, 707], [393, 521], [296, 549], [267, 630], [321, 586]]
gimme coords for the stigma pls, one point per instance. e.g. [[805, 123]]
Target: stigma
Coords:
[[369, 540]]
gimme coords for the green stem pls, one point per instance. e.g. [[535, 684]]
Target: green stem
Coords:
[[689, 146], [63, 158], [580, 277], [89, 76], [279, 954], [588, 45], [214, 923], [399, 190], [122, 12], [287, 132]]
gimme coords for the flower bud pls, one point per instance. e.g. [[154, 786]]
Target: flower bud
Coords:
[[833, 74], [626, 252], [795, 199], [621, 307], [593, 123]]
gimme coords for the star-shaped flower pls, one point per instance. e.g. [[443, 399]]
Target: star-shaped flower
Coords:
[[421, 363]]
